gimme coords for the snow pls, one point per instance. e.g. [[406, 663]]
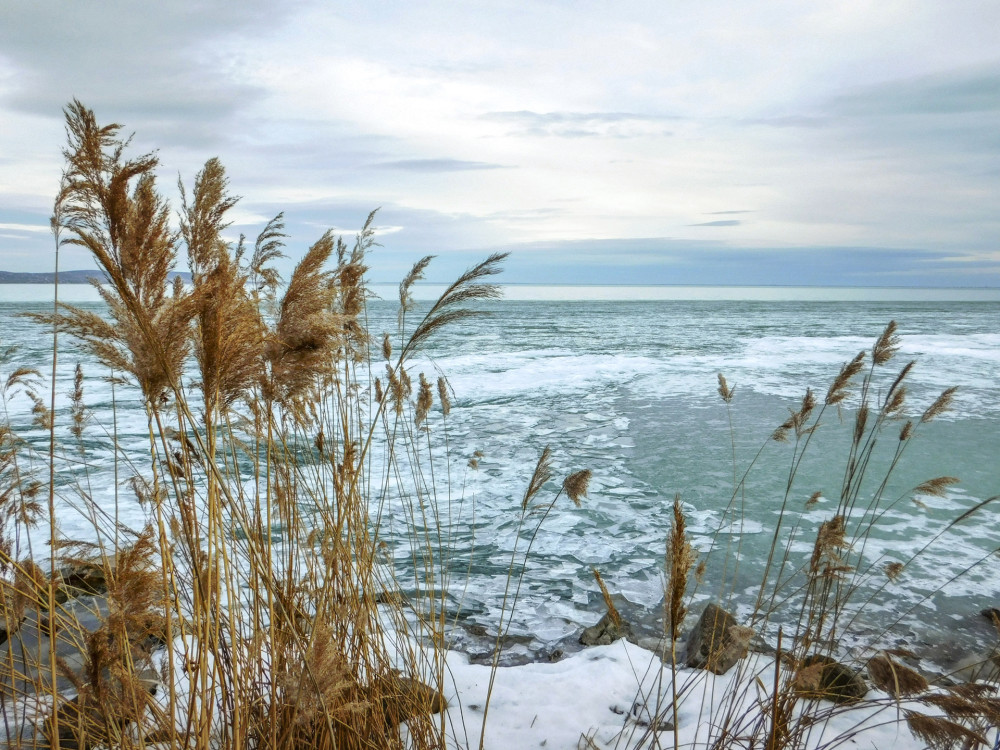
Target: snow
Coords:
[[619, 696], [606, 697]]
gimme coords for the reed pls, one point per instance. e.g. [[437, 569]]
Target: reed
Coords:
[[808, 603], [294, 455], [258, 606]]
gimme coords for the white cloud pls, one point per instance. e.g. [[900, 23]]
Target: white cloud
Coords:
[[845, 122]]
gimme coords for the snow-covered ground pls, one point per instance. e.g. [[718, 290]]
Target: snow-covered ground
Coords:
[[619, 696], [607, 697]]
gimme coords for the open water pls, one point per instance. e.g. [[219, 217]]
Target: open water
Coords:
[[627, 388]]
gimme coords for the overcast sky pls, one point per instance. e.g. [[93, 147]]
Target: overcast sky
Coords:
[[710, 142]]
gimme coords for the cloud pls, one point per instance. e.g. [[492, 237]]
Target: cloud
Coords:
[[436, 165], [721, 223], [172, 58], [674, 261], [582, 124], [952, 93], [31, 228]]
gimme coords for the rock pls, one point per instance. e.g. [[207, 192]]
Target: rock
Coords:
[[717, 641], [980, 667], [824, 678], [86, 577], [605, 632], [659, 646], [402, 698]]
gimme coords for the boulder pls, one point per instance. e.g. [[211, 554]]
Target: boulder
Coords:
[[822, 677], [717, 641], [606, 632]]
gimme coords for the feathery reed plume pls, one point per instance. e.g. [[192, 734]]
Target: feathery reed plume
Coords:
[[906, 431], [725, 392], [613, 613], [893, 570], [576, 484], [830, 539], [386, 347], [887, 344], [896, 679], [425, 400], [895, 402], [680, 559], [264, 278], [941, 404], [541, 474], [900, 378], [443, 395], [813, 499], [203, 221], [229, 332], [937, 487], [299, 348], [41, 415], [838, 388], [797, 420], [78, 411], [942, 734], [406, 285], [110, 207], [450, 306]]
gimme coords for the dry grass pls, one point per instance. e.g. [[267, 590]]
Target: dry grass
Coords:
[[259, 573], [256, 601]]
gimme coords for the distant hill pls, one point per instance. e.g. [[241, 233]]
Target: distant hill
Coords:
[[65, 277]]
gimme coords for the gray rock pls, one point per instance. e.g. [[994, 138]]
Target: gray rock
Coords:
[[822, 677], [717, 641], [605, 632]]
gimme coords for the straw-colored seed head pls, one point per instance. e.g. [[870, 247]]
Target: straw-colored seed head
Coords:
[[724, 390], [378, 391], [942, 734], [887, 344], [443, 396], [680, 560], [386, 347], [575, 485], [813, 499], [77, 410], [425, 400], [613, 613], [542, 474], [830, 540], [896, 401], [937, 487], [906, 431], [893, 570], [941, 404], [895, 678], [838, 389]]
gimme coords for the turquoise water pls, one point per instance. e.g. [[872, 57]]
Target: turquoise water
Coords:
[[628, 389]]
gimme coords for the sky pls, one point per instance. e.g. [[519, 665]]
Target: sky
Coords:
[[849, 142]]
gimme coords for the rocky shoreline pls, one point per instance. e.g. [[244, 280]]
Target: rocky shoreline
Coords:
[[715, 642]]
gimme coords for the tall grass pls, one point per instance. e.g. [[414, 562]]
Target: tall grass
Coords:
[[806, 605], [258, 606]]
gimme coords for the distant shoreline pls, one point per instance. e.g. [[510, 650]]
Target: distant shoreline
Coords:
[[75, 287], [65, 277]]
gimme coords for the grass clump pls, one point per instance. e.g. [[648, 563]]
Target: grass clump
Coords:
[[258, 605], [255, 607]]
